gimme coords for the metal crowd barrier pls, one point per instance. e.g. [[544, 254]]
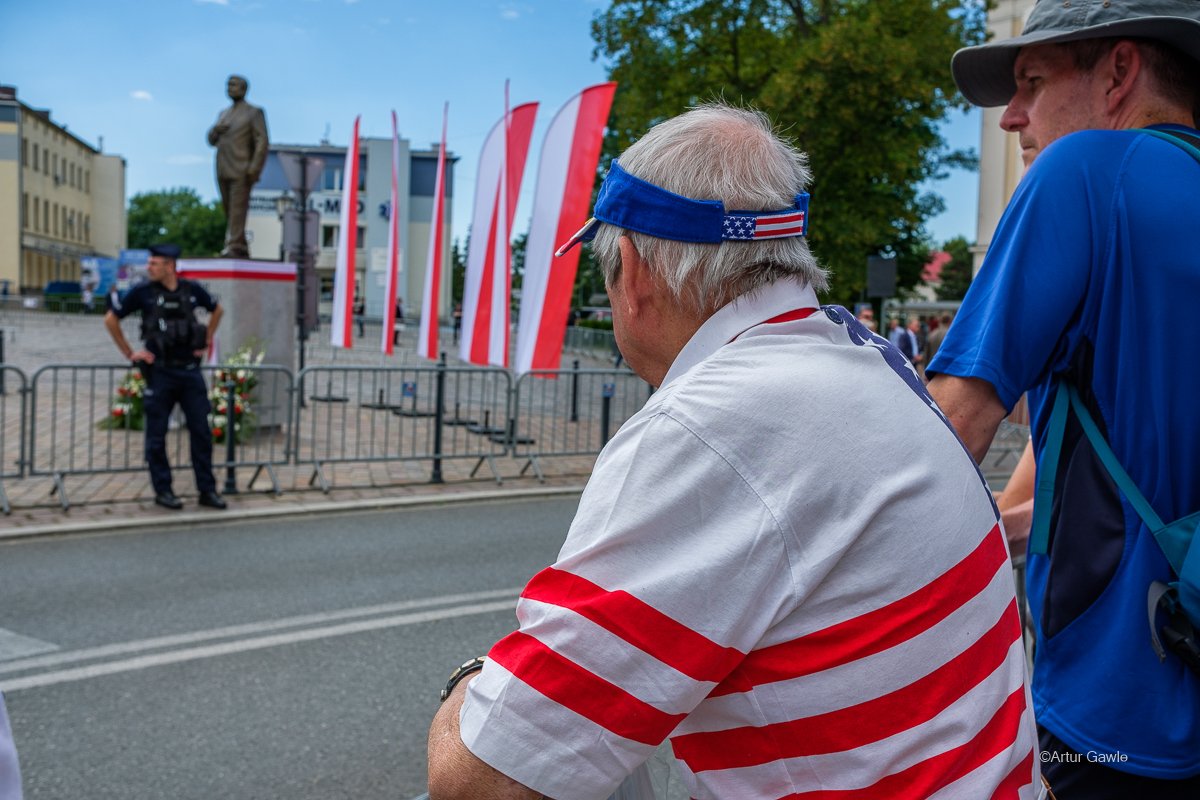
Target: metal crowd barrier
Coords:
[[266, 441], [572, 412], [589, 340], [13, 424], [71, 428], [367, 414]]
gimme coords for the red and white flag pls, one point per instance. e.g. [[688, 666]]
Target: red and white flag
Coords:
[[489, 268], [427, 336], [342, 323], [394, 267], [563, 194]]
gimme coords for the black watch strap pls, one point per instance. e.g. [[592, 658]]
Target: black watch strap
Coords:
[[462, 671]]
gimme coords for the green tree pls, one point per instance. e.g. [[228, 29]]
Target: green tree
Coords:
[[178, 216], [957, 272], [860, 85]]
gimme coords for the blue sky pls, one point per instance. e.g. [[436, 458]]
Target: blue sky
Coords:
[[149, 77]]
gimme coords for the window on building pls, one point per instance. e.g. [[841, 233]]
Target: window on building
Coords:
[[55, 219], [331, 177], [25, 210], [87, 229], [71, 171], [24, 151], [87, 180], [45, 161], [360, 238], [54, 165], [329, 235], [45, 216], [35, 156], [36, 216]]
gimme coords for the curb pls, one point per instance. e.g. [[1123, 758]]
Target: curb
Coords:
[[333, 507]]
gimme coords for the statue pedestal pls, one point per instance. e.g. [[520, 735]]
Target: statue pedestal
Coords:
[[259, 299]]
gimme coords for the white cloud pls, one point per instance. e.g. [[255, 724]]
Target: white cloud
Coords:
[[141, 94], [215, 2], [187, 160], [351, 2], [514, 10]]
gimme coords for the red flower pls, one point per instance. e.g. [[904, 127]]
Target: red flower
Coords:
[[118, 412]]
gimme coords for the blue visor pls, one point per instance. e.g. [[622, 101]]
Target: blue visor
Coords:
[[632, 203]]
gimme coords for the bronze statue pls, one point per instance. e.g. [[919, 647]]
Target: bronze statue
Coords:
[[240, 136]]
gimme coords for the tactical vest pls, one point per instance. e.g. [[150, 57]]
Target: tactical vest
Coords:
[[171, 324]]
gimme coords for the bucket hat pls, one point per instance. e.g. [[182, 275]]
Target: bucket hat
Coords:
[[984, 73]]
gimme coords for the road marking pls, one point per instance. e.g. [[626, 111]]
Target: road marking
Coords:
[[245, 645], [248, 629], [14, 645]]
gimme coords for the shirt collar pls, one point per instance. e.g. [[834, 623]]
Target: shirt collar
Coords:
[[737, 317]]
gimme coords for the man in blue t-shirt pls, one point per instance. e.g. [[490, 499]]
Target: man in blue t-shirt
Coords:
[[173, 343], [1099, 246]]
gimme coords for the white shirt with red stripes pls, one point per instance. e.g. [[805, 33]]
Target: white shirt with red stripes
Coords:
[[786, 563]]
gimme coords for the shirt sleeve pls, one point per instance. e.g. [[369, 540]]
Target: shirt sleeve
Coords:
[[671, 572], [1020, 320], [203, 298], [124, 306]]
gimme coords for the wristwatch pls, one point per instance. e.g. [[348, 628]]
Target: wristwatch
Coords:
[[461, 671]]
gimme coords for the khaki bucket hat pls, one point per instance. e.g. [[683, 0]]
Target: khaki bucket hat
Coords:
[[984, 73]]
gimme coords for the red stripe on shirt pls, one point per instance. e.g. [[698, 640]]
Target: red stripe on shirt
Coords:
[[637, 622], [1020, 777], [857, 725], [875, 631], [933, 774], [581, 691]]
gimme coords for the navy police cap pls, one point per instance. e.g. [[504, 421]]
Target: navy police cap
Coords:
[[171, 251]]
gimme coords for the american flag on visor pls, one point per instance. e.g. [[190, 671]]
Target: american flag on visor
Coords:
[[764, 226]]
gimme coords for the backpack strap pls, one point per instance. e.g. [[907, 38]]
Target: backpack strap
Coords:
[[1067, 396], [1185, 141]]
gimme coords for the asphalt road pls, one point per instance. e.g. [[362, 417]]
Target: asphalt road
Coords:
[[282, 659]]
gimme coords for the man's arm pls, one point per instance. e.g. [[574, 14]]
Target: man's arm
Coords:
[[113, 324], [261, 144], [973, 408], [214, 319], [455, 773]]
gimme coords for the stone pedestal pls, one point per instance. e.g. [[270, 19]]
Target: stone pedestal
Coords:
[[259, 299]]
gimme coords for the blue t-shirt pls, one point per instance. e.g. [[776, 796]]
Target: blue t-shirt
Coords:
[[1094, 274]]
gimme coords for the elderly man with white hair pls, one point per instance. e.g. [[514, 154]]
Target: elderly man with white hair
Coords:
[[746, 574]]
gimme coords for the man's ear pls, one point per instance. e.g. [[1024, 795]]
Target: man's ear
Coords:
[[636, 279], [1123, 66]]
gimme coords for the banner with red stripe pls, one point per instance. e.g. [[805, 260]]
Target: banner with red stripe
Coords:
[[427, 335], [345, 270], [489, 271], [562, 196], [394, 266]]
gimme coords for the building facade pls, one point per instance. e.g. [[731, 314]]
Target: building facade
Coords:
[[1000, 165], [61, 199], [416, 181]]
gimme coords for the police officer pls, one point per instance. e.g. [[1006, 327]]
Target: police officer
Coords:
[[173, 344]]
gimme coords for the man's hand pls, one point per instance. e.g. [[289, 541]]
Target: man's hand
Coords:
[[142, 356]]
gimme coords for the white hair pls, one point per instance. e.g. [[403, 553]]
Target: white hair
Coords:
[[717, 152]]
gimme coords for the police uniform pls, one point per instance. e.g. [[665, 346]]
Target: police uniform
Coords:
[[171, 332]]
